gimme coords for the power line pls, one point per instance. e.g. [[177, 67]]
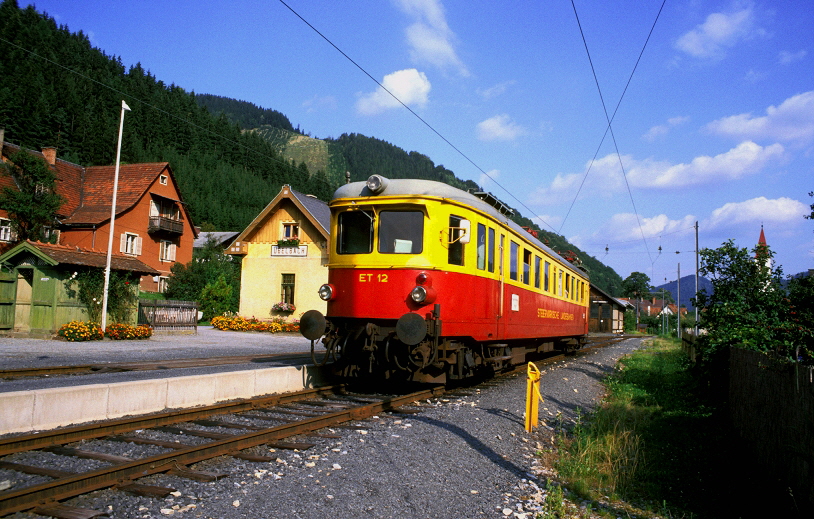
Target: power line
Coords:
[[609, 127], [428, 125]]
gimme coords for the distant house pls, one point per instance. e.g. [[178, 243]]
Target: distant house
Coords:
[[607, 312], [221, 239], [152, 224], [285, 256]]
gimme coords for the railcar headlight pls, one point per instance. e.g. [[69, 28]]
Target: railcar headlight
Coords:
[[376, 184], [422, 295], [326, 292]]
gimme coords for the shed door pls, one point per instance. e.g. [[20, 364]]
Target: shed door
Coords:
[[8, 292]]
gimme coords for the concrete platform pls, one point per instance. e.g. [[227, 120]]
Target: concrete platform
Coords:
[[43, 409], [46, 403]]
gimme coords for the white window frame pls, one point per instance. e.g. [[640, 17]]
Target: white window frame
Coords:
[[162, 283], [167, 250], [163, 179], [130, 244], [286, 230], [6, 232]]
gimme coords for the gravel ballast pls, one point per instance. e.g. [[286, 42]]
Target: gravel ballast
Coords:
[[461, 457]]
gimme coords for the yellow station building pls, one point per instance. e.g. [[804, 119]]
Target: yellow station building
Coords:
[[285, 257]]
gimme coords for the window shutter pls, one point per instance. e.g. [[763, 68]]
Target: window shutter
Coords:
[[153, 208], [138, 246], [172, 252], [123, 243]]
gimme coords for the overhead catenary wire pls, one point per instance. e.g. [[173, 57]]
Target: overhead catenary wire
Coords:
[[610, 120]]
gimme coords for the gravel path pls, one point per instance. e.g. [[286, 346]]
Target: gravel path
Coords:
[[464, 457]]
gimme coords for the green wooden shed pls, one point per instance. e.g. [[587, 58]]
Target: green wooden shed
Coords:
[[35, 295]]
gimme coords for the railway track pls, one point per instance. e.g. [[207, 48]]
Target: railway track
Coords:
[[231, 429], [183, 438], [121, 367]]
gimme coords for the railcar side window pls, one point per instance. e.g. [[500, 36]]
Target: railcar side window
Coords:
[[491, 250], [536, 271], [455, 254], [545, 277], [355, 232], [559, 285], [513, 261], [481, 246], [401, 232], [526, 266]]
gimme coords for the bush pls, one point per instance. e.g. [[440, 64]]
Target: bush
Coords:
[[118, 331], [81, 331], [241, 324]]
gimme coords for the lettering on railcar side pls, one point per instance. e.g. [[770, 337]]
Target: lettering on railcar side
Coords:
[[370, 278], [543, 313]]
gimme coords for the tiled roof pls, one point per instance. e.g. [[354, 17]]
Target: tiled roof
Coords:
[[66, 254], [134, 180]]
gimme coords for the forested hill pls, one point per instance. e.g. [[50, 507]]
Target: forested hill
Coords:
[[57, 90], [230, 158]]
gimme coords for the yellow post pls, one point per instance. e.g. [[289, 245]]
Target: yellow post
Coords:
[[533, 396]]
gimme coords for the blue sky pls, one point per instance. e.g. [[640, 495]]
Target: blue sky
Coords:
[[716, 125]]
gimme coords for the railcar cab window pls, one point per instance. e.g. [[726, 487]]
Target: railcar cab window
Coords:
[[455, 254], [355, 232], [401, 232]]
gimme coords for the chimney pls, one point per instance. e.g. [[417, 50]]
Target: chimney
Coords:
[[50, 154]]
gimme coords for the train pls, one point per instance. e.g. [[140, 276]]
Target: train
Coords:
[[429, 283]]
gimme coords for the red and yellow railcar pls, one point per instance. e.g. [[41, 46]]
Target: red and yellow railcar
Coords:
[[427, 282]]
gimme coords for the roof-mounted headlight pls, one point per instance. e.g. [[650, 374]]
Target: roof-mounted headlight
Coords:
[[376, 184]]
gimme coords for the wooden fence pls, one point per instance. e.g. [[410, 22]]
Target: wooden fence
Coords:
[[169, 316], [771, 405]]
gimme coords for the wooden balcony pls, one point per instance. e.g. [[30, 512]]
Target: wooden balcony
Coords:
[[162, 223]]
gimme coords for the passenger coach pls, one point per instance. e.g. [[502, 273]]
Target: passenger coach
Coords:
[[427, 282]]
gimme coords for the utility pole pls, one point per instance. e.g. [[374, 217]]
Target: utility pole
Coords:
[[696, 278], [678, 304]]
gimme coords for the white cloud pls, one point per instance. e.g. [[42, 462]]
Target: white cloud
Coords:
[[605, 177], [758, 210], [793, 121], [719, 31], [317, 104], [625, 227], [429, 36], [499, 128], [495, 91], [663, 129], [787, 58], [410, 86]]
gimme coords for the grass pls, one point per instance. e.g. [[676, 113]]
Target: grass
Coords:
[[654, 447]]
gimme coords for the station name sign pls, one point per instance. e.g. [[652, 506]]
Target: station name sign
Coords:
[[300, 251]]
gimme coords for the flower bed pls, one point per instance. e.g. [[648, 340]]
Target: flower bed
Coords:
[[75, 331], [118, 331], [241, 324]]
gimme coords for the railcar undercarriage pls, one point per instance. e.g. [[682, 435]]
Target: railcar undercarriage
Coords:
[[416, 350]]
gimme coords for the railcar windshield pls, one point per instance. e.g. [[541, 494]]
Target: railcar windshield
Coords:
[[401, 232], [355, 232]]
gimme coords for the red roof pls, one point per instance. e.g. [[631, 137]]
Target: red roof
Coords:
[[134, 181], [88, 191]]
